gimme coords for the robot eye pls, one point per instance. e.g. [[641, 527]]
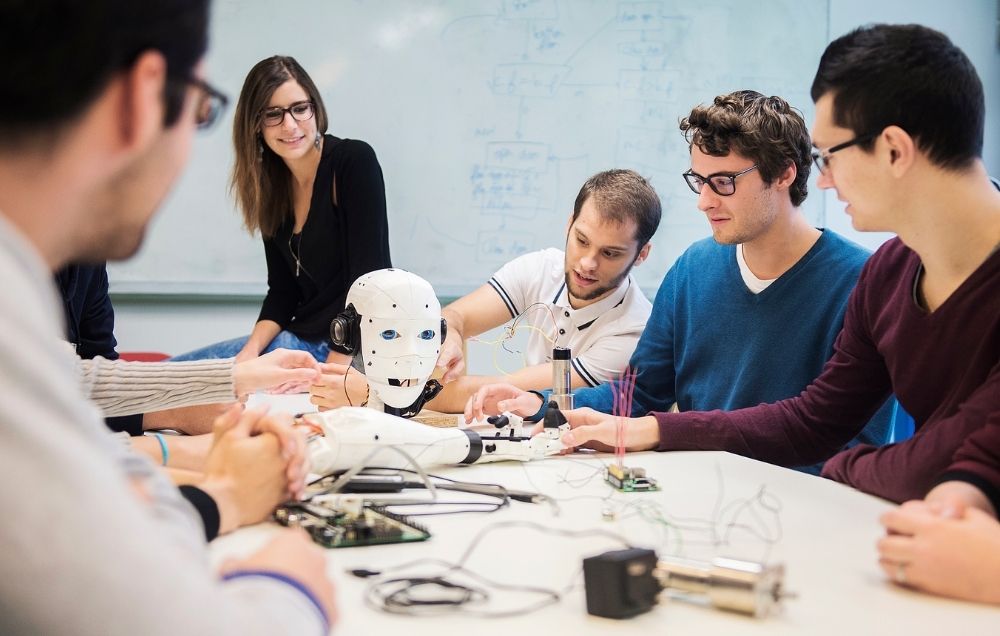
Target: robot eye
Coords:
[[389, 334], [427, 334]]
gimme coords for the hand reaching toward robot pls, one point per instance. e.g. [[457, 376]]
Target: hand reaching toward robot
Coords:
[[338, 385], [592, 429], [451, 361], [280, 371], [494, 399]]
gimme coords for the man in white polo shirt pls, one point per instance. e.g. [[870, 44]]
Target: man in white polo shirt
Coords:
[[584, 299], [751, 314]]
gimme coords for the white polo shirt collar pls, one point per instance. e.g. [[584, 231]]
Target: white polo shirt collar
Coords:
[[584, 317]]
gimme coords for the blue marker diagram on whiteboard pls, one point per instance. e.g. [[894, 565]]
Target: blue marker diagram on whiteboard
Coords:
[[586, 94], [488, 116]]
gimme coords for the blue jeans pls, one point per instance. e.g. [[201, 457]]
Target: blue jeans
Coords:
[[284, 340]]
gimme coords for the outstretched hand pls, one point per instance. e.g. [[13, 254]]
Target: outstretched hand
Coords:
[[494, 399], [280, 371], [599, 431]]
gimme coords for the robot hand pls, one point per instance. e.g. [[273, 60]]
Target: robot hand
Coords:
[[356, 435]]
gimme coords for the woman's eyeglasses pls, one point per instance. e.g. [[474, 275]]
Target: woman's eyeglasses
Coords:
[[300, 111]]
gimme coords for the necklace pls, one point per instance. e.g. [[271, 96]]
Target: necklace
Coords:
[[297, 252]]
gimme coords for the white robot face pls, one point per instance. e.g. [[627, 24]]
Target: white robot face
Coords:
[[400, 321]]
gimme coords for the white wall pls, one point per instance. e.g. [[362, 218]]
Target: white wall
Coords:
[[175, 327]]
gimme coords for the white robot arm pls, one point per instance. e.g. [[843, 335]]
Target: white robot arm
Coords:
[[352, 435]]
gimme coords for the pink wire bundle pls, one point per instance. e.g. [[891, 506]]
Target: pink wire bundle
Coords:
[[622, 391]]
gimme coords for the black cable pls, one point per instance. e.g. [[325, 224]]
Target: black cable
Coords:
[[347, 395], [401, 598], [468, 486], [499, 492], [394, 595]]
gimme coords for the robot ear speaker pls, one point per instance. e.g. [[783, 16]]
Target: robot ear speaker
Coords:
[[345, 330], [444, 329]]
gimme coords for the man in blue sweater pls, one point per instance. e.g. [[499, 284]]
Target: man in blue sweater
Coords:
[[751, 314]]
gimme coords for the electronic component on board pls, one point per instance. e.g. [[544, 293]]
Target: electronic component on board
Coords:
[[628, 479], [350, 523]]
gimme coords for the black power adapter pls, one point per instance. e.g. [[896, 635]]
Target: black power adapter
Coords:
[[620, 584]]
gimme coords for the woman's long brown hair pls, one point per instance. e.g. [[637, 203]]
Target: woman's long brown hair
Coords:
[[261, 182]]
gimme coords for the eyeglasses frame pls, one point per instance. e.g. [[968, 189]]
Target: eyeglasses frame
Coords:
[[287, 111], [707, 180], [822, 157], [217, 100]]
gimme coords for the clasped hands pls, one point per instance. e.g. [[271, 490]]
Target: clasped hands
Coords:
[[257, 460], [946, 544]]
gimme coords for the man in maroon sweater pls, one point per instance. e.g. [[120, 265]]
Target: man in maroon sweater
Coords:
[[899, 133]]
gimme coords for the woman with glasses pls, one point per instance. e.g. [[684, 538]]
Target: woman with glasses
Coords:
[[318, 202]]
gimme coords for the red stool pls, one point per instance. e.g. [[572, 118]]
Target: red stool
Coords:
[[143, 356]]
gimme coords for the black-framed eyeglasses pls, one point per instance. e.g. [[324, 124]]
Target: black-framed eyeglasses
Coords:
[[721, 183], [274, 115], [822, 157], [211, 106]]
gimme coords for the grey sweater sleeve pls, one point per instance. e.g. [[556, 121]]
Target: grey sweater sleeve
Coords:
[[98, 542], [127, 388]]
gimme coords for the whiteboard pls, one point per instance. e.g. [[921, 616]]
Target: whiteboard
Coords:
[[487, 117]]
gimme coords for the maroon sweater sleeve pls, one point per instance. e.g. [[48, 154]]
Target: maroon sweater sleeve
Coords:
[[805, 429], [978, 459], [959, 443], [944, 368]]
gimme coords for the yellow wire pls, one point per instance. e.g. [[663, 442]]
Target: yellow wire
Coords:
[[509, 333], [544, 335]]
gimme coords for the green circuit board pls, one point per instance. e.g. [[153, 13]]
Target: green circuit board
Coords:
[[331, 527]]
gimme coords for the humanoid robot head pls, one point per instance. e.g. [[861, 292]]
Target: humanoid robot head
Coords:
[[400, 333]]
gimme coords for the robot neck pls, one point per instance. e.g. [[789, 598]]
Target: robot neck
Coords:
[[375, 403]]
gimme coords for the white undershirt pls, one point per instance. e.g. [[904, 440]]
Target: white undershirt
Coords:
[[754, 284]]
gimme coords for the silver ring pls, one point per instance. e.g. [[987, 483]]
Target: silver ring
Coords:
[[901, 573]]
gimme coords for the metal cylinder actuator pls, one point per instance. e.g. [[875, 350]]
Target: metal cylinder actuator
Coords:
[[562, 378], [729, 584]]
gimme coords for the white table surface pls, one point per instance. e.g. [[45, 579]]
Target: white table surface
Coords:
[[826, 540]]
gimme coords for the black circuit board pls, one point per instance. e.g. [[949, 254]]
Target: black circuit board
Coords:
[[332, 527]]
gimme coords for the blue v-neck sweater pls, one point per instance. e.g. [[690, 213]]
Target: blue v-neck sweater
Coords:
[[712, 344]]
